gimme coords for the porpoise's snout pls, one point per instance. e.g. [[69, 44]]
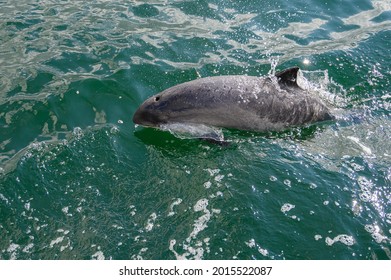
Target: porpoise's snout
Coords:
[[145, 118], [137, 117], [148, 115]]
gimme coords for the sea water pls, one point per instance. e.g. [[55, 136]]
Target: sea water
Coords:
[[78, 180]]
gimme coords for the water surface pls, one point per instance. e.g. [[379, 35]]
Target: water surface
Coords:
[[79, 181]]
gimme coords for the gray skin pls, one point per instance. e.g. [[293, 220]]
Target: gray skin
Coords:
[[238, 102]]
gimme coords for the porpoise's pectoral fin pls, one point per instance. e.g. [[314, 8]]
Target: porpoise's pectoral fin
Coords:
[[288, 77], [221, 143], [192, 131]]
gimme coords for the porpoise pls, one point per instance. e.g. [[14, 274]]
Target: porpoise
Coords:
[[270, 103]]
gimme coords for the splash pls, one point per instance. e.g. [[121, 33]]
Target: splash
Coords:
[[273, 65], [318, 82], [192, 131]]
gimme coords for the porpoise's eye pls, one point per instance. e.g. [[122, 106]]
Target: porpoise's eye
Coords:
[[157, 98]]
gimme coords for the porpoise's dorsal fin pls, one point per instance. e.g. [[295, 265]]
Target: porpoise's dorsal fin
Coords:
[[288, 77]]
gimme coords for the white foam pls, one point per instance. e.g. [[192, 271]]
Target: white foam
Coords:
[[199, 225], [287, 182], [218, 178], [150, 222], [65, 209], [317, 237], [212, 172], [133, 210], [273, 178], [287, 207], [201, 205], [77, 133], [56, 241], [195, 248], [343, 238], [139, 255], [28, 248], [98, 256], [376, 233], [2, 197], [175, 203], [356, 208], [27, 206], [366, 187], [356, 140], [388, 216], [263, 251], [250, 243], [12, 249]]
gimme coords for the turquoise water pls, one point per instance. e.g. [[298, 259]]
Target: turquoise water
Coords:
[[78, 180]]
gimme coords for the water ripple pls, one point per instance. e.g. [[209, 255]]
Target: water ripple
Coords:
[[76, 177]]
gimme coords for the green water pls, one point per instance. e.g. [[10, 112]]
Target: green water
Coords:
[[79, 181]]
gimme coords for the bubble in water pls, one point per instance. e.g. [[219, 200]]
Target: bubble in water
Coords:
[[364, 183], [356, 140], [343, 238], [98, 256], [273, 178], [356, 207], [150, 222], [388, 216], [212, 172], [27, 206], [193, 247], [12, 250], [28, 248], [365, 196], [263, 252], [114, 130], [56, 241], [371, 228], [287, 182], [201, 205], [77, 132], [65, 209], [250, 243], [175, 203], [218, 178], [287, 207], [375, 232], [346, 239], [357, 167]]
